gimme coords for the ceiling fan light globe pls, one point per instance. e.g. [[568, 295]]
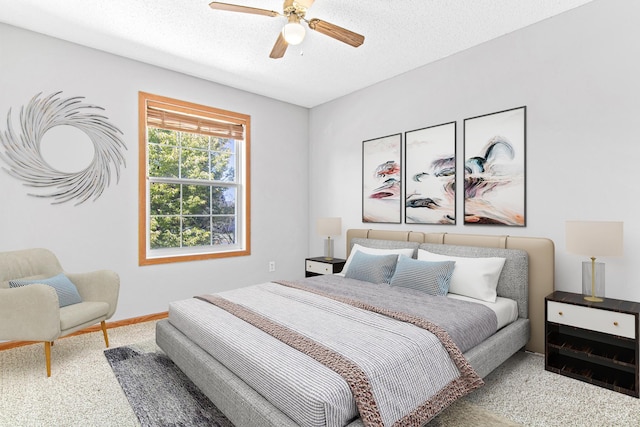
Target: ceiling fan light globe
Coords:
[[293, 33]]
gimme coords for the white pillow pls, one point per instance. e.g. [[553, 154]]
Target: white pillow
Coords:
[[373, 251], [472, 277]]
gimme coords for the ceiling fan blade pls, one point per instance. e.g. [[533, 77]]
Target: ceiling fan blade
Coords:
[[244, 9], [336, 32], [279, 48]]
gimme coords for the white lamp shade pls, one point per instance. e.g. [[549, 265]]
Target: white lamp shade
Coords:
[[293, 33], [594, 238], [329, 226]]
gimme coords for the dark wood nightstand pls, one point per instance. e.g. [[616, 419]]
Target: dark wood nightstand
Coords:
[[321, 265], [595, 342]]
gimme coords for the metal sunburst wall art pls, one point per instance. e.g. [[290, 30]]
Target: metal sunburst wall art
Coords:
[[23, 156]]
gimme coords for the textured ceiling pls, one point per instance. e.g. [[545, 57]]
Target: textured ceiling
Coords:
[[233, 48]]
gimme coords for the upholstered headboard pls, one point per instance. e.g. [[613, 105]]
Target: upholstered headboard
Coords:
[[541, 260]]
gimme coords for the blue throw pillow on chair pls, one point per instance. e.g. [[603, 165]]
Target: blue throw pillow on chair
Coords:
[[67, 291]]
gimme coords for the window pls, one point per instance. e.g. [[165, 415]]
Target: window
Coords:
[[194, 181]]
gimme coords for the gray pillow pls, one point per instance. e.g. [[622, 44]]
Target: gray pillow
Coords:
[[371, 268], [67, 291], [427, 276]]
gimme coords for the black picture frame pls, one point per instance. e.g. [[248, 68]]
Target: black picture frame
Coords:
[[381, 180], [430, 175], [495, 168]]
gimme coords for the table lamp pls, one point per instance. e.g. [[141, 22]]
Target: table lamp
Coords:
[[594, 238], [329, 227]]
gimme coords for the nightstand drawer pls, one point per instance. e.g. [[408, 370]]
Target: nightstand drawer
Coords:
[[319, 267], [595, 319]]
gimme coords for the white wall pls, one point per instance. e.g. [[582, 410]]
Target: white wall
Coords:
[[578, 74], [103, 234]]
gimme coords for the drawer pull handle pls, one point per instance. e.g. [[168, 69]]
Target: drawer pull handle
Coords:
[[560, 313], [615, 323]]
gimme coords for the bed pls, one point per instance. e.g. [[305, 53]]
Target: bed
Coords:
[[194, 336]]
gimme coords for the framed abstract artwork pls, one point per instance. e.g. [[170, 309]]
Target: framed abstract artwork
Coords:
[[430, 175], [495, 168], [381, 179]]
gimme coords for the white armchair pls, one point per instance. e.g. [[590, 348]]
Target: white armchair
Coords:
[[33, 312]]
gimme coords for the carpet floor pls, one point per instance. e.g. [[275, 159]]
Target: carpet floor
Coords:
[[84, 390]]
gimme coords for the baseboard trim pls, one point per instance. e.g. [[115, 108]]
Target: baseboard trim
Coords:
[[95, 328]]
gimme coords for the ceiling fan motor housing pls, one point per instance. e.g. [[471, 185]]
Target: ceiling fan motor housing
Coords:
[[294, 8], [293, 32]]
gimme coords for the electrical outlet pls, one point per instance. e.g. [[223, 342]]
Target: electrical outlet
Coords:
[[272, 266]]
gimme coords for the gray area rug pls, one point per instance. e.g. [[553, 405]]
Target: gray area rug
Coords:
[[159, 393]]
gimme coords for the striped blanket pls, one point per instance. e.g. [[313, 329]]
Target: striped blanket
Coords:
[[401, 369]]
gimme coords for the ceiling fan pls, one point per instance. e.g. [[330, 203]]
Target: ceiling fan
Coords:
[[293, 32]]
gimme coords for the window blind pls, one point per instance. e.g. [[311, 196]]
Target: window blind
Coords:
[[178, 118]]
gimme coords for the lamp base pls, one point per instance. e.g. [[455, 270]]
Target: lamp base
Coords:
[[593, 281], [328, 248]]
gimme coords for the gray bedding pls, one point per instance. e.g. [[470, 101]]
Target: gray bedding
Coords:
[[324, 397], [467, 324]]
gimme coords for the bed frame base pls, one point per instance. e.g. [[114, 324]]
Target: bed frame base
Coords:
[[245, 407]]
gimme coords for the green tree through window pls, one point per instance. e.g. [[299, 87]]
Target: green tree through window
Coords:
[[195, 186]]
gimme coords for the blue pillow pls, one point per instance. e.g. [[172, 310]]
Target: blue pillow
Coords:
[[67, 291], [432, 277], [371, 268]]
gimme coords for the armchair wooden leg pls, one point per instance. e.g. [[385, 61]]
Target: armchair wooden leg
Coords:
[[104, 332], [47, 356]]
